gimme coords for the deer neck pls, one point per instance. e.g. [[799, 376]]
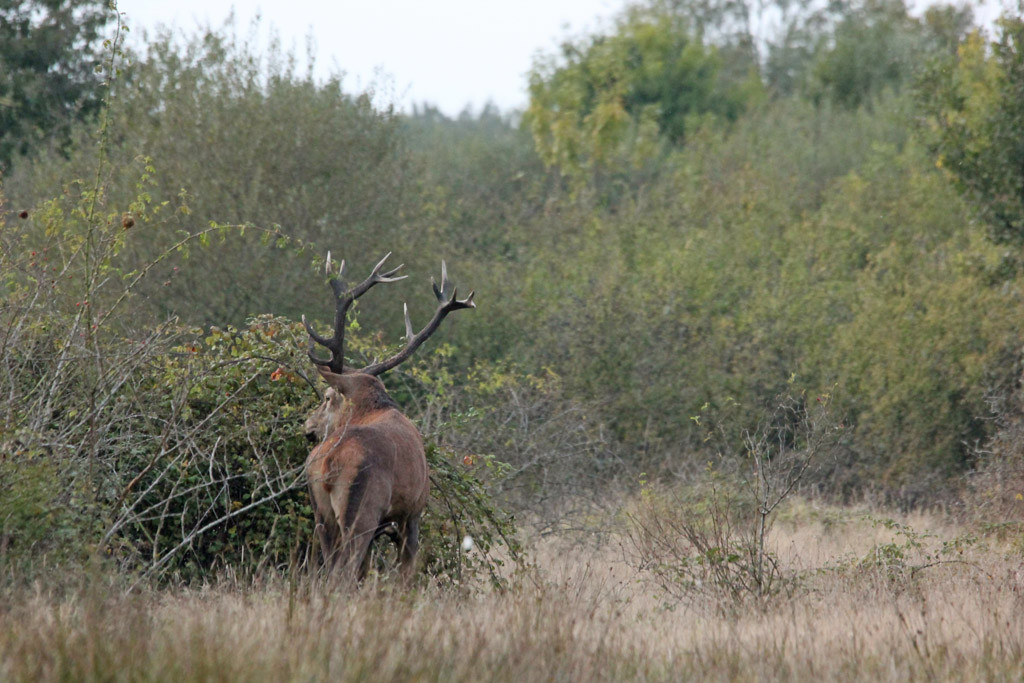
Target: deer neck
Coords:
[[365, 406]]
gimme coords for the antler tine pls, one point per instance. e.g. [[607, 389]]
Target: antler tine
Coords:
[[313, 336], [386, 277], [376, 268], [408, 323], [441, 292], [329, 344], [447, 304], [375, 277]]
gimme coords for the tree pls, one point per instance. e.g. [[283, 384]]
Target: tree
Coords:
[[974, 106], [848, 52], [876, 45], [48, 61], [620, 94]]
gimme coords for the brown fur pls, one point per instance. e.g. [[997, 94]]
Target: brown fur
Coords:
[[368, 473]]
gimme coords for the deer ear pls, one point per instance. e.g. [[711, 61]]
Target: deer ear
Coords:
[[341, 383]]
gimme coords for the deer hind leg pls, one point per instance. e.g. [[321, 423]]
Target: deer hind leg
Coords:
[[409, 544], [361, 508], [328, 531]]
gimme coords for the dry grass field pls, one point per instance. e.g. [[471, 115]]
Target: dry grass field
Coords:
[[861, 602]]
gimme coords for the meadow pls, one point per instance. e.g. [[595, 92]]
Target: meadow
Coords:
[[862, 602]]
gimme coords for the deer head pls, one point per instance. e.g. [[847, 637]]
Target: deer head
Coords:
[[368, 475]]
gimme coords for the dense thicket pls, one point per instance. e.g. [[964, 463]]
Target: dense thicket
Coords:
[[687, 217]]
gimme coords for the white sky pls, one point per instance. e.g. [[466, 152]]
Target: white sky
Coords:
[[447, 52]]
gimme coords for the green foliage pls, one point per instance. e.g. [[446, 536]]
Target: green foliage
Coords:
[[50, 54], [461, 508], [33, 527], [223, 486], [609, 99], [660, 263], [894, 558], [239, 139], [164, 451], [550, 445], [73, 361], [232, 494], [975, 108], [189, 457], [850, 53], [876, 45], [995, 491], [477, 175], [848, 260]]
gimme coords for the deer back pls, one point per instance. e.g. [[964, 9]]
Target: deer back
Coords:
[[368, 439]]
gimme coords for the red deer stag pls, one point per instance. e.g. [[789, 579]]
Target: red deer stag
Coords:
[[368, 475]]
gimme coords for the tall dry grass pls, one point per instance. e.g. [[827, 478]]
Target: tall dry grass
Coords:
[[583, 613]]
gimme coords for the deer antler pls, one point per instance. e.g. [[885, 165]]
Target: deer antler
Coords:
[[343, 301], [448, 301]]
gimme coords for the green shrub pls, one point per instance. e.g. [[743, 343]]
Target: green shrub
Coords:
[[167, 451], [228, 490], [219, 483]]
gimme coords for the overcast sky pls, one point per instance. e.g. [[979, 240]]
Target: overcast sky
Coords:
[[447, 52]]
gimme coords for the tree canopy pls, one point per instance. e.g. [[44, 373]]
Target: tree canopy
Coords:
[[974, 101], [616, 95], [49, 55]]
